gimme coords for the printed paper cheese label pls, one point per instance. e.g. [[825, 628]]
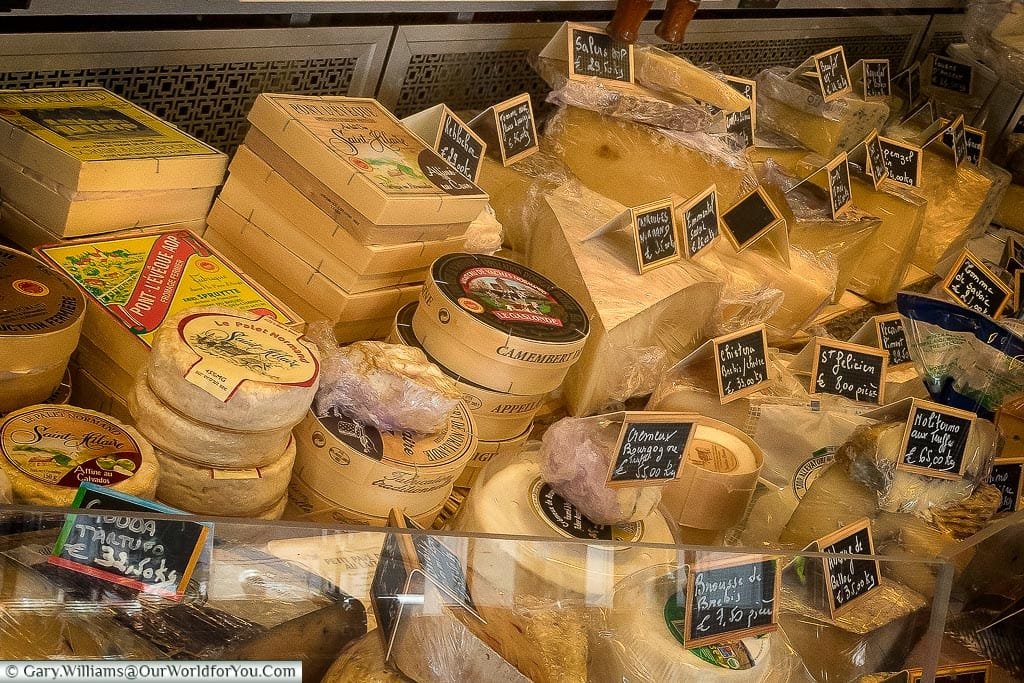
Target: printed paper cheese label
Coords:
[[143, 280], [563, 517], [733, 655], [34, 299], [67, 447], [369, 139], [232, 349], [93, 124]]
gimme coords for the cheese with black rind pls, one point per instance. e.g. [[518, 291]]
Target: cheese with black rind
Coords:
[[200, 489], [172, 432], [272, 395]]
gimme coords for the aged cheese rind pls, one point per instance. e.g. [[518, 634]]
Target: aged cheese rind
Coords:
[[43, 453], [198, 488], [256, 404], [173, 432], [667, 72]]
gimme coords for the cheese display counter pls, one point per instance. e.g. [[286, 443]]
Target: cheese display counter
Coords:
[[359, 604]]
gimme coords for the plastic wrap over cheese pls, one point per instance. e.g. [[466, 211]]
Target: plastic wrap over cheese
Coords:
[[362, 661], [484, 235], [575, 455], [995, 30], [391, 386], [968, 360], [796, 109]]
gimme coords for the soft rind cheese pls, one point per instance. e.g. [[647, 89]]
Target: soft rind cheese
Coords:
[[307, 505], [487, 451], [41, 314], [47, 451], [233, 369], [173, 432], [20, 389], [207, 490]]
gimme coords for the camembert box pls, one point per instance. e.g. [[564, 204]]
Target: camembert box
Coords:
[[91, 140], [132, 283], [363, 155]]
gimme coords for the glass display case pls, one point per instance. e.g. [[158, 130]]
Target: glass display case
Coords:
[[459, 606]]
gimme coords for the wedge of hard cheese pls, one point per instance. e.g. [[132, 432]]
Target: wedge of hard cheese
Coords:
[[660, 70]]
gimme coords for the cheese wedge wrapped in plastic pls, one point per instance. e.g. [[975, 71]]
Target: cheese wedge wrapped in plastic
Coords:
[[640, 323], [362, 661], [669, 73], [795, 109], [995, 30]]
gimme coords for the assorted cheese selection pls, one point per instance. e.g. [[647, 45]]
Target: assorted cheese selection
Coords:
[[430, 372]]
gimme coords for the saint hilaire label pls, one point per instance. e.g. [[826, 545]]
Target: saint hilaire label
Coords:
[[231, 349], [833, 75], [902, 162], [656, 235], [594, 53], [741, 363], [151, 555], [851, 370], [650, 448], [935, 440], [700, 221], [976, 287], [731, 600], [847, 577]]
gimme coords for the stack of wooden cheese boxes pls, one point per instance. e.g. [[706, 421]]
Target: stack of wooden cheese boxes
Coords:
[[507, 336], [338, 210]]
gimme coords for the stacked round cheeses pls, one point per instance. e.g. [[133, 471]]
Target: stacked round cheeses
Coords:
[[47, 451], [41, 316], [218, 400], [507, 336]]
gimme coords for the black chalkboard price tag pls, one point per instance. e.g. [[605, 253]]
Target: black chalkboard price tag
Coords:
[[877, 84], [976, 287], [950, 74], [750, 218], [851, 370], [935, 440], [1008, 476], [908, 83], [741, 363], [595, 54], [150, 555], [1013, 254], [509, 129], [650, 448], [849, 578], [875, 159], [974, 141], [892, 338], [730, 600], [902, 161], [699, 217], [444, 569], [655, 234], [458, 145], [833, 75], [975, 672], [1018, 290], [743, 123], [1018, 128], [957, 140], [396, 581], [840, 191]]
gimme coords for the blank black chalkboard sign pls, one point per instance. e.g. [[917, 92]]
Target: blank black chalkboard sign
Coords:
[[459, 146], [892, 337], [650, 448], [750, 218], [851, 370], [902, 161], [876, 159], [743, 123], [1008, 476], [1018, 127], [976, 287], [908, 83], [594, 53], [443, 568], [391, 584], [950, 74], [935, 440], [876, 79], [741, 363], [975, 672], [840, 191], [849, 578], [731, 600], [151, 555], [656, 235], [833, 76], [700, 222]]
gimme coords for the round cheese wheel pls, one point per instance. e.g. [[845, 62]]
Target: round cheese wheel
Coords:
[[362, 468], [20, 389], [47, 451], [487, 451], [212, 491], [234, 369], [172, 432], [645, 641], [510, 498], [307, 505], [498, 416], [275, 511], [499, 324], [41, 314]]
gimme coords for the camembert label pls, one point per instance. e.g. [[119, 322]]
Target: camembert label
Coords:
[[365, 136], [34, 299], [64, 446], [93, 124], [232, 349], [143, 280]]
